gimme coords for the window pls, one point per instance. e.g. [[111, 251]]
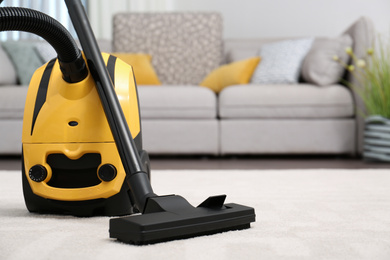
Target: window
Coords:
[[54, 8]]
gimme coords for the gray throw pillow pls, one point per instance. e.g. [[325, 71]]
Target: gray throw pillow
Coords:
[[281, 61], [319, 67], [45, 51], [24, 58]]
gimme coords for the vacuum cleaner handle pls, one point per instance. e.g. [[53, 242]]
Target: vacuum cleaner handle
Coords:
[[164, 217], [136, 178]]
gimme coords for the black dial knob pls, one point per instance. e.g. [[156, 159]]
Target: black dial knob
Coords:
[[107, 172], [37, 173]]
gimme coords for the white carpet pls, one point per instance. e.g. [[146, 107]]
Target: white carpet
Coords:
[[301, 214]]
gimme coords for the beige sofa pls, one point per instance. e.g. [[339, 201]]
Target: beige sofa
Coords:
[[181, 118]]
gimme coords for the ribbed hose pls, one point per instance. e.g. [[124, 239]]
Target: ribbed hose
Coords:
[[69, 56]]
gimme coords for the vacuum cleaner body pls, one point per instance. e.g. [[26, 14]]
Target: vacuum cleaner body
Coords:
[[71, 162]]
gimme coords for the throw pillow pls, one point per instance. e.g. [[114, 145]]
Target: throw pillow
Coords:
[[24, 58], [281, 61], [45, 51], [239, 72], [185, 46], [143, 69], [319, 67]]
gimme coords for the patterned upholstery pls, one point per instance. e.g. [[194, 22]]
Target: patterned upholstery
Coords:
[[185, 47]]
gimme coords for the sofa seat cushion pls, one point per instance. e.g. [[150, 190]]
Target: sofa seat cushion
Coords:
[[179, 102], [155, 102], [286, 101], [12, 99]]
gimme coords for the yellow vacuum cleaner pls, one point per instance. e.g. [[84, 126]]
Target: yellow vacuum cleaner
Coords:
[[79, 154], [70, 158]]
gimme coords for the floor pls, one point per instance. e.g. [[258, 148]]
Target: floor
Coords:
[[251, 162]]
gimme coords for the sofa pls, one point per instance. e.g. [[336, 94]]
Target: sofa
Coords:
[[180, 117]]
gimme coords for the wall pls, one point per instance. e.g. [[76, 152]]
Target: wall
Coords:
[[278, 18], [259, 18]]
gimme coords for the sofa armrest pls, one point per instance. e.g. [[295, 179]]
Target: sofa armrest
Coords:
[[362, 33]]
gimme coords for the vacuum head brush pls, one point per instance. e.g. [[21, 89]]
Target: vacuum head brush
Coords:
[[172, 217]]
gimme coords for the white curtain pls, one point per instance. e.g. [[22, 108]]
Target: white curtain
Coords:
[[101, 12], [54, 8], [151, 5]]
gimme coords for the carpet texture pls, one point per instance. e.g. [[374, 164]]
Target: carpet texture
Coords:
[[301, 214]]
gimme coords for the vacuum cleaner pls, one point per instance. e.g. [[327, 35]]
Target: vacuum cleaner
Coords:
[[79, 154]]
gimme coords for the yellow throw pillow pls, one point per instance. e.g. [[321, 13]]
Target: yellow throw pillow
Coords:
[[143, 70], [239, 72]]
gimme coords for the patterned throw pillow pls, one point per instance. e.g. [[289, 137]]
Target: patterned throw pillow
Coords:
[[185, 46], [281, 62]]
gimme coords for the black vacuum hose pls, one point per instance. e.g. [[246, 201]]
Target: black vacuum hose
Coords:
[[69, 56]]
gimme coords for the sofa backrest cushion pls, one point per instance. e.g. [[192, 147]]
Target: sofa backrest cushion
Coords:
[[361, 35], [240, 49], [7, 70], [185, 46]]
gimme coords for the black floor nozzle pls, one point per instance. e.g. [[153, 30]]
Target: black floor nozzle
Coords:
[[171, 217]]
